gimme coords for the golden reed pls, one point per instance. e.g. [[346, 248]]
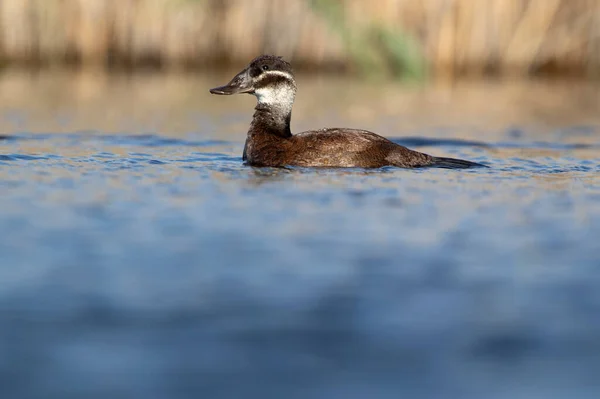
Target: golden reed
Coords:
[[455, 36]]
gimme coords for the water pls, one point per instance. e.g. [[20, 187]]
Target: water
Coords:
[[140, 257]]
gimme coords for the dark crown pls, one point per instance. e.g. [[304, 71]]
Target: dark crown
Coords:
[[265, 63]]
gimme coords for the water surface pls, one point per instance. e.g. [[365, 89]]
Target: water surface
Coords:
[[141, 258]]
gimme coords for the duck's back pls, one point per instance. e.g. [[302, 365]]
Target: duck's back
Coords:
[[341, 147]]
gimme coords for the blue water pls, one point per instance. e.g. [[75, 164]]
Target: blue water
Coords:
[[149, 266]]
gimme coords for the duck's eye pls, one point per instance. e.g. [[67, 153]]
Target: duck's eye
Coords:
[[265, 67]]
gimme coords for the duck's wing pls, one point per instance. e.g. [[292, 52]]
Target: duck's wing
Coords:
[[351, 148], [342, 135], [372, 150]]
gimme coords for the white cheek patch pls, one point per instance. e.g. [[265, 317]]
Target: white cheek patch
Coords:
[[272, 95], [277, 93], [277, 73], [281, 95]]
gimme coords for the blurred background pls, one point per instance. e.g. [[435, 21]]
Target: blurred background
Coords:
[[140, 258], [448, 38]]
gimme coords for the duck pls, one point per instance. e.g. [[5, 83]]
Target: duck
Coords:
[[270, 142]]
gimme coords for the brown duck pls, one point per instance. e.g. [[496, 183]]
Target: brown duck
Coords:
[[270, 141]]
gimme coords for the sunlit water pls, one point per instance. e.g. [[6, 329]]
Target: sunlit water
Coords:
[[141, 258]]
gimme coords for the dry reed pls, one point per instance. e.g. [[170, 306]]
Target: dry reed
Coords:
[[455, 36]]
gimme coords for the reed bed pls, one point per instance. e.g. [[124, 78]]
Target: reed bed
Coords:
[[445, 37]]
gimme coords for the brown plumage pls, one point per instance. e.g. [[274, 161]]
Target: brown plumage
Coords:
[[271, 143]]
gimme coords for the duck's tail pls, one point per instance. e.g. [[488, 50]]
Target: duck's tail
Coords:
[[453, 163]]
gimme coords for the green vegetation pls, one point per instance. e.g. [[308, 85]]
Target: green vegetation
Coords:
[[376, 50]]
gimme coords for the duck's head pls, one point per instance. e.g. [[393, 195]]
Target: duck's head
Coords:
[[268, 77]]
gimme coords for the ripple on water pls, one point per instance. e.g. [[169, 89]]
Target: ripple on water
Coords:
[[146, 265]]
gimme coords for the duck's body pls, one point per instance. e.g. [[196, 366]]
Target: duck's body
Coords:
[[343, 148], [271, 143]]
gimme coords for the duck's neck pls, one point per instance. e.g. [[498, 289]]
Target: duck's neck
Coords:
[[271, 120], [273, 112]]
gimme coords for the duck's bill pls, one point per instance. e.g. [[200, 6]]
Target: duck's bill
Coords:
[[241, 83], [222, 90], [229, 89]]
